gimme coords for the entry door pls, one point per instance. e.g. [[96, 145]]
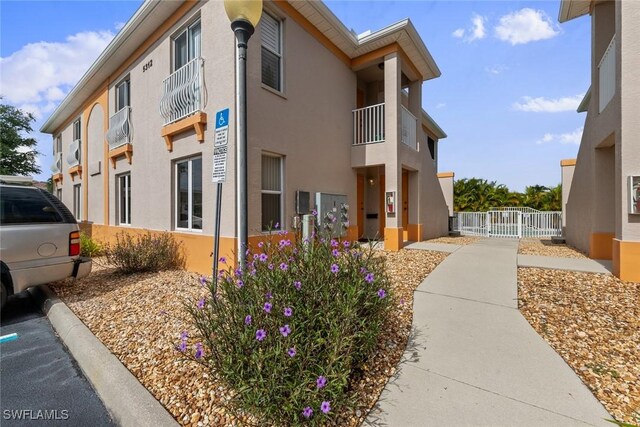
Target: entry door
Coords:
[[360, 207], [382, 209], [405, 203]]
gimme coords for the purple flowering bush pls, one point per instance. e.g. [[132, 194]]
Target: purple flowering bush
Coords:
[[290, 338]]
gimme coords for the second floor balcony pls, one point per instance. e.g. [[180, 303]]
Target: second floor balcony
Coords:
[[74, 156], [56, 167], [184, 92], [120, 129], [369, 126]]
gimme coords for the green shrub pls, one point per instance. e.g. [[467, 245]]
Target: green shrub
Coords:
[[145, 252], [89, 247], [287, 334]]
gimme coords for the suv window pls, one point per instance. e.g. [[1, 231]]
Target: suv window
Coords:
[[25, 206]]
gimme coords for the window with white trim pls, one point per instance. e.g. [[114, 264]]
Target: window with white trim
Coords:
[[271, 35], [188, 194], [122, 94], [57, 148], [124, 199], [77, 201], [187, 45], [272, 182], [59, 194], [76, 130]]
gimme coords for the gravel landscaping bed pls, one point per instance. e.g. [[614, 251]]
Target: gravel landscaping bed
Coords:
[[461, 240], [593, 321], [139, 317], [544, 247]]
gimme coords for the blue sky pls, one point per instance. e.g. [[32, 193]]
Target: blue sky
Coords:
[[511, 75]]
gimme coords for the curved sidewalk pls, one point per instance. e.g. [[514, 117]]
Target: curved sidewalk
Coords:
[[475, 360]]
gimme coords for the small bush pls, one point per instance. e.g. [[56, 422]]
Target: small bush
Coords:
[[287, 334], [145, 252], [89, 247]]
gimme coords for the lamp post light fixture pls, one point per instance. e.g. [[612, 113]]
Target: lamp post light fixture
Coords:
[[244, 16]]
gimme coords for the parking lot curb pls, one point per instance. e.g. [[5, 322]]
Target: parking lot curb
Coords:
[[128, 401]]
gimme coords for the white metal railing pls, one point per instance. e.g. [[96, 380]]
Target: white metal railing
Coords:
[[368, 124], [184, 92], [409, 126], [73, 158], [607, 75], [119, 132], [56, 167], [508, 223]]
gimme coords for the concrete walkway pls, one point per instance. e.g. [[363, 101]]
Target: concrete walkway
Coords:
[[586, 265], [475, 359]]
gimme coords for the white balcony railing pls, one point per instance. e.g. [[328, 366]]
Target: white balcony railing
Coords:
[[409, 126], [120, 130], [607, 75], [56, 167], [73, 158], [184, 92], [368, 124]]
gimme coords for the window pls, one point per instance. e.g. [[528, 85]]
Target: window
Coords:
[[124, 199], [57, 147], [77, 202], [186, 45], [271, 191], [59, 194], [26, 206], [76, 130], [432, 147], [189, 194], [122, 94], [271, 30]]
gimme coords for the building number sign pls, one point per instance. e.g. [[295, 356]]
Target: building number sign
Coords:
[[148, 65]]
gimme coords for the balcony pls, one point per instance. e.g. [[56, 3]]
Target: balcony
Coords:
[[183, 100], [56, 167], [120, 130], [119, 135], [369, 126], [409, 127], [74, 157]]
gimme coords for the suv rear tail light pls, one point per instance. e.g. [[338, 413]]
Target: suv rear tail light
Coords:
[[74, 243]]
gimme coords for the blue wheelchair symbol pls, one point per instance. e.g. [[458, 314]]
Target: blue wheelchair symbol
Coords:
[[222, 118]]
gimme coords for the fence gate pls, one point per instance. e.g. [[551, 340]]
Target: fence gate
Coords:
[[509, 223]]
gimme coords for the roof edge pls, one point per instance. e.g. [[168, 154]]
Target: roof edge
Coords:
[[584, 104], [431, 124]]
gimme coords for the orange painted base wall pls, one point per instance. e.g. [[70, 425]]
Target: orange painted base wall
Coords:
[[601, 245], [414, 232], [626, 260], [393, 238]]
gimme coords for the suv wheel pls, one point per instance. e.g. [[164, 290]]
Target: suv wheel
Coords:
[[3, 295]]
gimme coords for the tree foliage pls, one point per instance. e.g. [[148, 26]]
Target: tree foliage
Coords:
[[17, 151], [480, 195]]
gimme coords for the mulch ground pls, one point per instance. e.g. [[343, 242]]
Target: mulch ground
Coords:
[[593, 322], [139, 318], [544, 247]]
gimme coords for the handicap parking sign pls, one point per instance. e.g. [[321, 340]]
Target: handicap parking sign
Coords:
[[222, 118]]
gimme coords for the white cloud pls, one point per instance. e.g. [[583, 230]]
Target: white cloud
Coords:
[[544, 105], [526, 25], [496, 69], [476, 31], [118, 26], [39, 75], [562, 138], [441, 105]]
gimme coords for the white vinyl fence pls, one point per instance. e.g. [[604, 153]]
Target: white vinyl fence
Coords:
[[509, 223]]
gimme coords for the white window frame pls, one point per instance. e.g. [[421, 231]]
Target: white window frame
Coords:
[[77, 201], [59, 193], [77, 131], [279, 55], [176, 191], [126, 207], [185, 29], [57, 146], [122, 82], [280, 193]]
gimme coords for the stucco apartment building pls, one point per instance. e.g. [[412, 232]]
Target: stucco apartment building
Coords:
[[602, 215], [331, 115]]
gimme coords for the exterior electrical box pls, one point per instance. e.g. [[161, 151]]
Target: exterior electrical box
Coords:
[[325, 203], [303, 202]]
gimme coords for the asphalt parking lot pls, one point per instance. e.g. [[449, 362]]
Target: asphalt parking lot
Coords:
[[40, 382]]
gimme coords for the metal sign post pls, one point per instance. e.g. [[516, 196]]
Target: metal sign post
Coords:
[[218, 176]]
